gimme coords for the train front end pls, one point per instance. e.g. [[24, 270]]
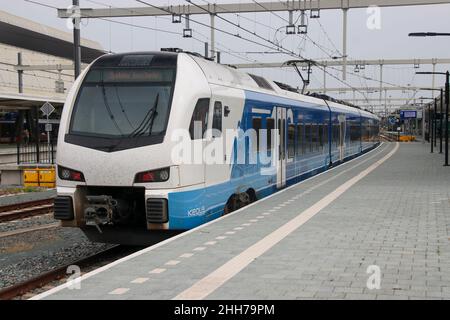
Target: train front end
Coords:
[[114, 161]]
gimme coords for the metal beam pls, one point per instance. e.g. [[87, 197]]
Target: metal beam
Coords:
[[246, 7], [331, 63], [368, 89], [376, 100], [390, 106], [44, 67]]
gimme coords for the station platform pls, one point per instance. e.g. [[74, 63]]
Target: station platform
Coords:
[[386, 214]]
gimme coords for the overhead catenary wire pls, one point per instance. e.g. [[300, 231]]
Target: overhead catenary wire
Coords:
[[287, 51], [273, 46]]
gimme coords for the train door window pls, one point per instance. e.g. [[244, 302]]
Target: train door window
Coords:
[[217, 119], [270, 124], [199, 120], [325, 134], [282, 135], [291, 141], [256, 125]]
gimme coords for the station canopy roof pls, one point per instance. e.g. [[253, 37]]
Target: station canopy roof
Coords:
[[21, 101], [23, 33]]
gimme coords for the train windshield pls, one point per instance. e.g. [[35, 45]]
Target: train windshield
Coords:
[[123, 103]]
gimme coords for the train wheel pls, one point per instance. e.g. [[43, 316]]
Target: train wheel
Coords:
[[238, 201], [229, 206]]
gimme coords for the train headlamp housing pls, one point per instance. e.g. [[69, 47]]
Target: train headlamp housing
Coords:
[[70, 174], [159, 175]]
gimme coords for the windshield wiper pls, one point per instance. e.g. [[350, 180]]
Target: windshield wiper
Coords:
[[147, 122], [108, 109], [155, 113]]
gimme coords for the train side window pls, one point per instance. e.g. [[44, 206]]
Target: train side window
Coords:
[[308, 147], [256, 124], [321, 128], [314, 137], [199, 119], [270, 124], [291, 141], [299, 138], [336, 134], [217, 120]]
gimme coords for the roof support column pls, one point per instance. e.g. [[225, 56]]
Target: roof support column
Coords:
[[381, 82], [433, 80], [344, 43], [20, 72], [76, 38], [212, 27], [385, 105]]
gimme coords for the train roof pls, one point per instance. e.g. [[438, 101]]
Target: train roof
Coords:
[[221, 74], [227, 75]]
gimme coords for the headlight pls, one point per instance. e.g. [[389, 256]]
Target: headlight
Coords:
[[69, 174], [159, 175]]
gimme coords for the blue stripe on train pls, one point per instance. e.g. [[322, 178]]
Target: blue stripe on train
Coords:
[[189, 209]]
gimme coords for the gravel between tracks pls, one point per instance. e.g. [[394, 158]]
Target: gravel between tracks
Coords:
[[29, 222], [27, 255]]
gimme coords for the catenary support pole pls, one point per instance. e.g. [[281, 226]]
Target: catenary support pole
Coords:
[[76, 40]]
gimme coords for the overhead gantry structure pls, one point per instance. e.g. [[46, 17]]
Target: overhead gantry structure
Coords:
[[357, 63], [213, 10], [246, 7]]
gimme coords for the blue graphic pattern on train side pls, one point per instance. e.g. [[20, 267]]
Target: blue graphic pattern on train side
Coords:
[[188, 209]]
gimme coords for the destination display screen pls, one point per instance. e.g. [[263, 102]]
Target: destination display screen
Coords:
[[130, 75], [408, 114]]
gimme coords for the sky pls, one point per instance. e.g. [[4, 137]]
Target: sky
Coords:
[[386, 39]]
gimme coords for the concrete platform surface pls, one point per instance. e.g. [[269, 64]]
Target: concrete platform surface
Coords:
[[376, 227]]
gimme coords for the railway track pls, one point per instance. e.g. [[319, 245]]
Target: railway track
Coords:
[[46, 279], [28, 230], [388, 138], [26, 209]]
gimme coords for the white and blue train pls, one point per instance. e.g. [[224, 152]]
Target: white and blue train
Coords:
[[117, 176]]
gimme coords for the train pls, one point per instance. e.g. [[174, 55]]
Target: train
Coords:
[[155, 143]]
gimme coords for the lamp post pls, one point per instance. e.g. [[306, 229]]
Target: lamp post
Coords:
[[447, 102]]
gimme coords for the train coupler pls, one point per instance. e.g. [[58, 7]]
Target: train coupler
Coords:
[[99, 211]]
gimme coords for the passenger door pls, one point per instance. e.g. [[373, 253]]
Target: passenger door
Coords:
[[281, 145]]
